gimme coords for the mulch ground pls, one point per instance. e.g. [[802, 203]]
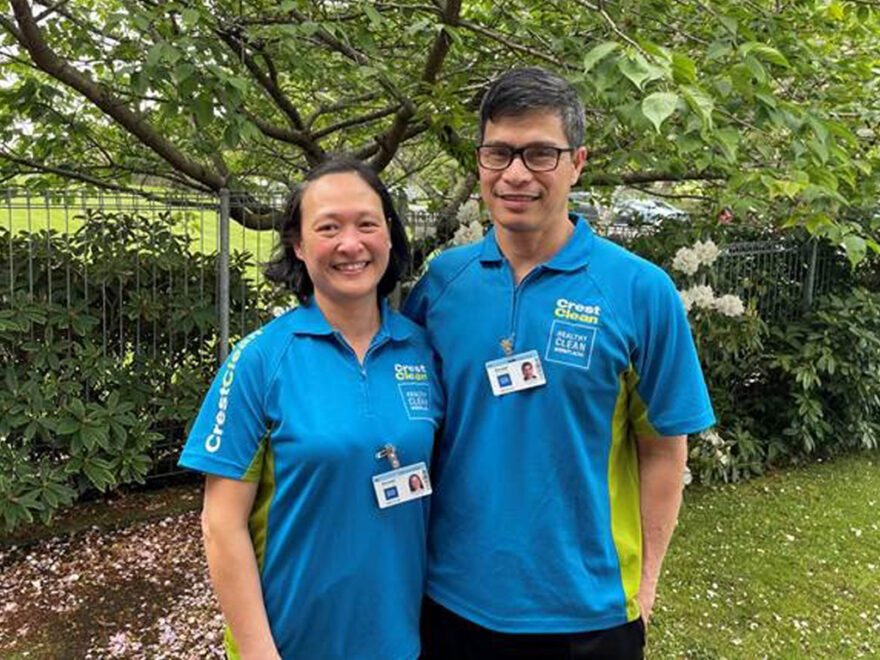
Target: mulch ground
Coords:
[[122, 589]]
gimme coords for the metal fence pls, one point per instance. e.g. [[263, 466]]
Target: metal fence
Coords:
[[172, 278], [781, 275]]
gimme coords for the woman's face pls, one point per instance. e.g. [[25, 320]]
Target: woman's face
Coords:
[[345, 243]]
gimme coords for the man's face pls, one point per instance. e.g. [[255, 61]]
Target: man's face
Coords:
[[518, 199]]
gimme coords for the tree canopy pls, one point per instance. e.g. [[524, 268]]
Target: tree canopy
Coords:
[[771, 107]]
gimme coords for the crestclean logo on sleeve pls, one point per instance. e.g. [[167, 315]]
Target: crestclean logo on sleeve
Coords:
[[410, 372], [212, 442], [573, 311]]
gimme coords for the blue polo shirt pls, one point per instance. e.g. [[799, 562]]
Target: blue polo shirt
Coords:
[[535, 524], [293, 409]]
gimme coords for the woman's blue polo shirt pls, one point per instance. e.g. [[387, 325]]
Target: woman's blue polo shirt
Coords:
[[535, 523], [293, 409]]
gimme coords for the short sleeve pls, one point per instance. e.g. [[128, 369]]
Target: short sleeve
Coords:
[[415, 307], [670, 392], [227, 434]]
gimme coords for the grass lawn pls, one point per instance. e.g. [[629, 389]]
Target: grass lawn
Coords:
[[784, 566], [20, 214]]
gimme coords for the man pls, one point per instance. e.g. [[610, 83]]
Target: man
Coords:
[[553, 504], [528, 371]]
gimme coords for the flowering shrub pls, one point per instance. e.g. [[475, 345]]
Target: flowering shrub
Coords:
[[782, 390]]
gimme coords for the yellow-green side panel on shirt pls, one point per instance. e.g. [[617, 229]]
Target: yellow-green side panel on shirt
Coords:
[[262, 467], [630, 418]]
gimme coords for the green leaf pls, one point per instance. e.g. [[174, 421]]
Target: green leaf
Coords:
[[98, 472], [756, 69], [764, 52], [639, 71], [78, 409], [154, 55], [231, 136], [700, 102], [717, 50], [203, 109], [374, 16], [190, 17], [684, 70], [598, 53], [658, 106], [728, 140], [67, 426], [855, 247]]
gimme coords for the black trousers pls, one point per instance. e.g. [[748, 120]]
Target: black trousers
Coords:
[[447, 636]]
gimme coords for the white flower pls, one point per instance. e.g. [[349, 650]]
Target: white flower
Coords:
[[686, 260], [468, 233], [702, 297], [713, 437], [730, 305], [468, 213], [688, 476], [686, 300], [707, 252]]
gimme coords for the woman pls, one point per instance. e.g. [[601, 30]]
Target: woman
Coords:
[[308, 554]]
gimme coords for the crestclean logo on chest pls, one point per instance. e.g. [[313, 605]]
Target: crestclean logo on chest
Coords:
[[573, 311], [212, 442], [410, 372]]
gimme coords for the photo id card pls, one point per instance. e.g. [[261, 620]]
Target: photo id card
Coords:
[[515, 372], [402, 485]]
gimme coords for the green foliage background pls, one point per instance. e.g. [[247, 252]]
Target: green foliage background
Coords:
[[101, 377]]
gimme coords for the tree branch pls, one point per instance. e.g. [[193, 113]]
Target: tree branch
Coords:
[[84, 178], [390, 141], [370, 150], [355, 121], [605, 179], [45, 58], [236, 44], [512, 45], [340, 105]]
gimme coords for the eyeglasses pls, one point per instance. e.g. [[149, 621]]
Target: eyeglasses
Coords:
[[537, 158]]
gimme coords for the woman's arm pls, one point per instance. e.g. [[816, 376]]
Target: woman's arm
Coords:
[[233, 565]]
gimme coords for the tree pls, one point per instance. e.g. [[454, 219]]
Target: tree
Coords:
[[769, 106]]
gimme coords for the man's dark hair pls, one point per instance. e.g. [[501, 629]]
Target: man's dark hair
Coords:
[[286, 269], [521, 91]]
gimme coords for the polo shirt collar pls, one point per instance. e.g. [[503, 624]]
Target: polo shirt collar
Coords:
[[308, 319], [573, 255]]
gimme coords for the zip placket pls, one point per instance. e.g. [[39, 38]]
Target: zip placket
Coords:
[[362, 368], [514, 312]]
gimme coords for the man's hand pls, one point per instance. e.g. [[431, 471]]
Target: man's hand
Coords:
[[646, 595]]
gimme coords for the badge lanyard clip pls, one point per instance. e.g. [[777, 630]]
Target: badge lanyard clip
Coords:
[[389, 452]]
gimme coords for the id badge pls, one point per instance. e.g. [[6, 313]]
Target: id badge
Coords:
[[514, 373], [407, 483]]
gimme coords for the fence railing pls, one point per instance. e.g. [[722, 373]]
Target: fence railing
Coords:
[[170, 279]]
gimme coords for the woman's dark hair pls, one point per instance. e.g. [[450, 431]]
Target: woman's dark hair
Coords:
[[286, 269]]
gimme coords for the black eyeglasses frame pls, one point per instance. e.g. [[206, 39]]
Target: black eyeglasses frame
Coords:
[[521, 152]]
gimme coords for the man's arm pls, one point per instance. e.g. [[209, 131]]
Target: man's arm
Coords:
[[233, 565], [661, 475]]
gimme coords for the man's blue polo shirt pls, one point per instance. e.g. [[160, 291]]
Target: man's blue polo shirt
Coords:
[[535, 524], [293, 409]]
